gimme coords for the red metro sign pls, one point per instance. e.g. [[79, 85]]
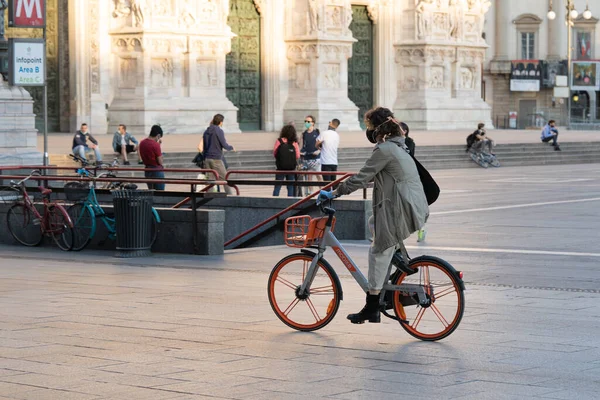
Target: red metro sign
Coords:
[[27, 13]]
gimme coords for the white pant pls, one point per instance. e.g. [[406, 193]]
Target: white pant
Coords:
[[379, 263]]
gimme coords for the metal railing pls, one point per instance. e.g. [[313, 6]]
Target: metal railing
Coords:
[[344, 175], [193, 195]]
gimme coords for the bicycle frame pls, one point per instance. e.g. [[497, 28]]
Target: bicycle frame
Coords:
[[92, 202], [30, 205], [329, 240]]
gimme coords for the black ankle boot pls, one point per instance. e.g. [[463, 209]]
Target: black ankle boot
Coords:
[[370, 311]]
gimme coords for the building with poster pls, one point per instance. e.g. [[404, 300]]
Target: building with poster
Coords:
[[263, 63], [528, 50]]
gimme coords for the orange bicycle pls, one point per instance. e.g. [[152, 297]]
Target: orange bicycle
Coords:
[[426, 293], [28, 226]]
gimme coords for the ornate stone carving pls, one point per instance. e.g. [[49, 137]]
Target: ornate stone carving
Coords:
[[128, 44], [332, 76], [128, 73], [95, 46], [161, 72], [207, 73], [373, 10], [139, 9], [424, 11], [455, 20], [300, 76], [330, 52], [436, 80], [161, 8], [208, 10], [467, 78], [315, 16], [188, 18], [122, 9]]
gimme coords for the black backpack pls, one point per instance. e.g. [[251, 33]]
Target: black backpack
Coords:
[[285, 159], [471, 139]]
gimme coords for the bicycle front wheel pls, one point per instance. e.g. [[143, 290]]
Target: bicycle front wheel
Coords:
[[60, 228], [442, 313], [155, 224], [23, 225], [304, 311], [84, 225]]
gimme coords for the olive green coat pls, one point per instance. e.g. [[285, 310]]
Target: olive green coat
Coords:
[[399, 203]]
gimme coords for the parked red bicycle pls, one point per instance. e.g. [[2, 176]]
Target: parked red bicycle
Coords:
[[28, 226]]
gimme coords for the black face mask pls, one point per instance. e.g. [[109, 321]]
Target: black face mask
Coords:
[[371, 136]]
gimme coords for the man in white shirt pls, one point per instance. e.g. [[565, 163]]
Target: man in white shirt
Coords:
[[328, 142]]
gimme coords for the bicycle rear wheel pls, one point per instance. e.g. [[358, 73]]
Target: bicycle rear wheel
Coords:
[[446, 300], [23, 225], [60, 228], [304, 312], [84, 225]]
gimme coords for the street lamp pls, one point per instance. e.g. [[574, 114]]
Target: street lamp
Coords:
[[571, 15]]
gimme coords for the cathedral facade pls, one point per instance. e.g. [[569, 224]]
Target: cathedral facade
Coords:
[[263, 63]]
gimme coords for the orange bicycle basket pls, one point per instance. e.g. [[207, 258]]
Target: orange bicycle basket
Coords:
[[304, 231]]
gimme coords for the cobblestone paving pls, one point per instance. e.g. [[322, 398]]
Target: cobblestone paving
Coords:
[[89, 326]]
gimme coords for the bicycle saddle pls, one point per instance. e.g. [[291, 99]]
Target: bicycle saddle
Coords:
[[45, 191]]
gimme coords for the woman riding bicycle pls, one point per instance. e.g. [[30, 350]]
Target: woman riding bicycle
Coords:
[[399, 203]]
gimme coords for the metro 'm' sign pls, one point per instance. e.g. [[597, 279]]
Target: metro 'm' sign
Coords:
[[27, 13]]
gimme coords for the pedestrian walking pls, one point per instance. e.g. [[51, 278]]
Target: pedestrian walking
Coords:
[[151, 155], [328, 142], [213, 145], [287, 153], [124, 143], [81, 147], [310, 153]]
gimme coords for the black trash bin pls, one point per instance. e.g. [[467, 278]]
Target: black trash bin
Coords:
[[133, 222]]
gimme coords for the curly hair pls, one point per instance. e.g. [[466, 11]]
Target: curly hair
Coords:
[[383, 121], [289, 132]]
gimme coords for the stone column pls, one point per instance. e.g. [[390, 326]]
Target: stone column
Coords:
[[440, 66], [557, 34], [169, 65], [501, 62], [18, 136], [382, 13], [79, 64], [319, 44], [274, 65]]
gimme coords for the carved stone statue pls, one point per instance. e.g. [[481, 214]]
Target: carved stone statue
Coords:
[[138, 8], [347, 15], [187, 15], [424, 11], [479, 8], [122, 9], [3, 6], [457, 18], [314, 16]]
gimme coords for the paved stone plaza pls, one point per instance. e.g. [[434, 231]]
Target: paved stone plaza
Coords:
[[89, 326]]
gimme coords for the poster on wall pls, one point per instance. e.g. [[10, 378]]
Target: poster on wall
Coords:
[[27, 13], [525, 76], [584, 45], [27, 62], [552, 69], [585, 76]]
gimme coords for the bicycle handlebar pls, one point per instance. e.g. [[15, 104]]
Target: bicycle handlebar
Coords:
[[35, 172]]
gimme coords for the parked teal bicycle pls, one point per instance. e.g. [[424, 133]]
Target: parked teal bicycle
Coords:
[[86, 211]]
